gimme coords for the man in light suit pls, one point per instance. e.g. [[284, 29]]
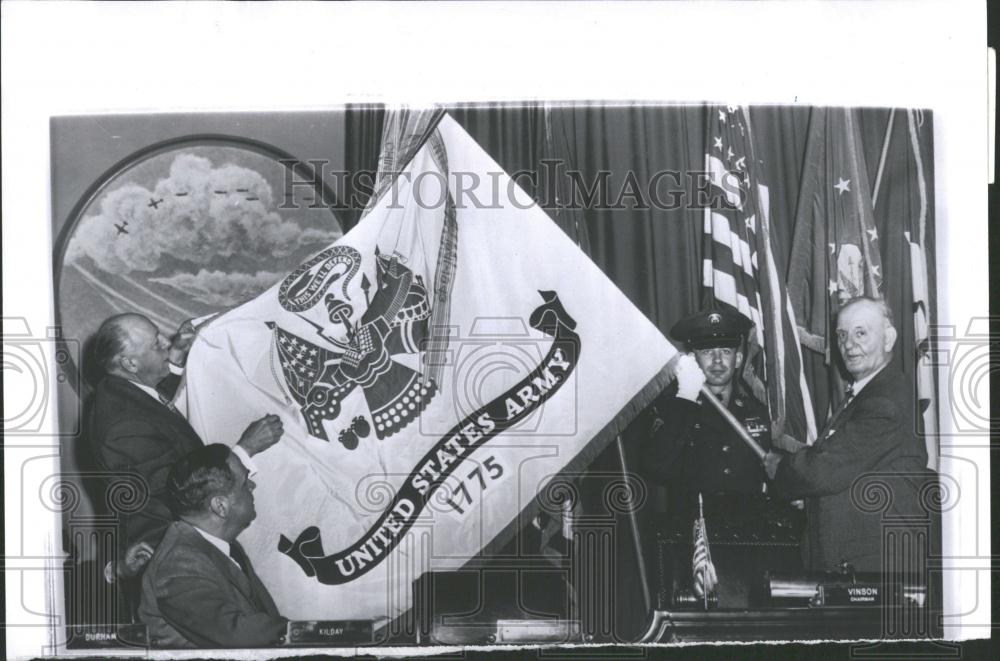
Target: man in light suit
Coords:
[[200, 590], [868, 466], [133, 427]]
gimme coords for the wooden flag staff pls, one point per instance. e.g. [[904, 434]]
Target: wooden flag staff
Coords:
[[724, 412], [733, 422]]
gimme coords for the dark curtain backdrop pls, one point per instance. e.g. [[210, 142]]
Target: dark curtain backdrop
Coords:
[[648, 248], [654, 255]]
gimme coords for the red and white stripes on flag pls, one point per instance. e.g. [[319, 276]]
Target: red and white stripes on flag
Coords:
[[740, 269], [703, 571]]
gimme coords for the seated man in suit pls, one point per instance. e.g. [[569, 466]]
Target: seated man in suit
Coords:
[[133, 427], [200, 590], [867, 466]]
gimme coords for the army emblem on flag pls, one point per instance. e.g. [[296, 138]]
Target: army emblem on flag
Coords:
[[394, 322], [434, 369]]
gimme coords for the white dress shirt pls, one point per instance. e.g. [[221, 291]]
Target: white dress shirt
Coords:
[[861, 383], [218, 543]]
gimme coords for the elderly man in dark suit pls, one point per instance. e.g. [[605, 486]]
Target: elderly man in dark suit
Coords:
[[133, 427], [867, 452], [200, 590]]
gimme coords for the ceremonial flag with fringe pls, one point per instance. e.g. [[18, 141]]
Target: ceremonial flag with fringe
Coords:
[[435, 369], [835, 252], [920, 291]]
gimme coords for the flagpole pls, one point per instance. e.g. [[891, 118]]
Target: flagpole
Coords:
[[701, 519], [881, 160], [634, 526], [725, 413], [733, 422]]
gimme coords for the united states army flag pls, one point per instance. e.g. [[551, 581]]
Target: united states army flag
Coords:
[[435, 369]]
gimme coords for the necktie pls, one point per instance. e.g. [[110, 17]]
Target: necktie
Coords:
[[236, 553], [169, 404], [848, 396]]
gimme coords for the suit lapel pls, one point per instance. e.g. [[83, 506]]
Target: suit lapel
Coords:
[[261, 597], [154, 409], [830, 428], [223, 563]]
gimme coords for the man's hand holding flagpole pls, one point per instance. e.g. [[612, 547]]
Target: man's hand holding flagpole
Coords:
[[672, 367]]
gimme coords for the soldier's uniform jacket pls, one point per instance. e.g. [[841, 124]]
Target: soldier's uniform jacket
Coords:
[[692, 449]]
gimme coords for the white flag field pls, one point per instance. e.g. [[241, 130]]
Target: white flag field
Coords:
[[434, 369]]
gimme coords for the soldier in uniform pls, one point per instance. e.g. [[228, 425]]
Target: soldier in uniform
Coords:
[[693, 451]]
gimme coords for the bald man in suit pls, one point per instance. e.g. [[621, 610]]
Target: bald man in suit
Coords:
[[134, 429]]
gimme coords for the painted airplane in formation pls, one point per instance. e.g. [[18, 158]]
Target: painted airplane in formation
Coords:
[[252, 199], [221, 192], [180, 194], [121, 228], [242, 190], [154, 203]]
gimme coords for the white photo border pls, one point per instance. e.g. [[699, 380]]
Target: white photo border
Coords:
[[82, 58]]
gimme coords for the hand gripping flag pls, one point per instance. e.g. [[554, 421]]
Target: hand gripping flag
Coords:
[[435, 369]]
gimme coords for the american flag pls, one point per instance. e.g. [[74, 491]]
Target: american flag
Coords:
[[740, 269], [705, 579]]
